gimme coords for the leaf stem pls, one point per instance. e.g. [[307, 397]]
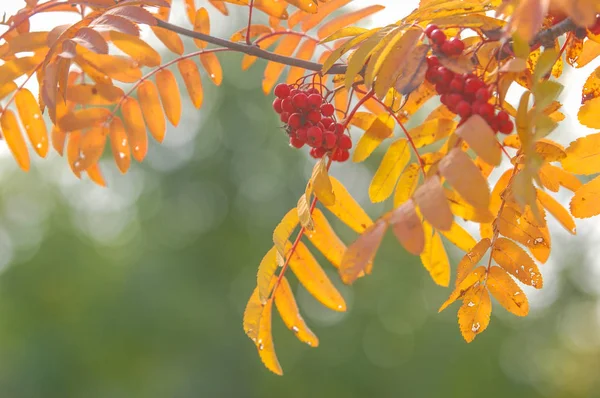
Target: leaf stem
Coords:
[[250, 8]]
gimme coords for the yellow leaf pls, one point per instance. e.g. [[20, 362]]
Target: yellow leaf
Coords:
[[481, 138], [516, 261], [212, 66], [136, 129], [588, 113], [434, 257], [14, 139], [252, 315], [286, 47], [191, 77], [561, 214], [431, 131], [507, 292], [462, 287], [264, 342], [169, 95], [362, 252], [512, 225], [290, 314], [284, 230], [324, 238], [323, 11], [304, 213], [583, 155], [119, 143], [474, 314], [459, 237], [273, 8], [201, 25], [464, 210], [320, 184], [314, 279], [136, 48], [358, 58], [152, 110], [338, 52], [83, 118], [347, 209], [394, 161], [563, 177], [409, 179], [350, 31], [32, 121], [466, 178], [585, 202], [433, 204], [346, 19], [382, 128], [471, 259], [408, 227], [266, 270]]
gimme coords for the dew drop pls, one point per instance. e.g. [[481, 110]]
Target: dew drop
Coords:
[[261, 347], [36, 116], [475, 327], [309, 343], [121, 155], [295, 329], [471, 304], [136, 148], [39, 145], [212, 75], [340, 307], [124, 142]]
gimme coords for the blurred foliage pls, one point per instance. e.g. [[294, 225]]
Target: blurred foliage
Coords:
[[138, 290]]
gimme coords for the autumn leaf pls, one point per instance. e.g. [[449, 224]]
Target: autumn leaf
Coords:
[[517, 262], [434, 257], [507, 292], [290, 314], [408, 182], [466, 178], [347, 209], [474, 314], [481, 138], [432, 202], [408, 227], [583, 155], [471, 279], [471, 259], [324, 238], [584, 203], [362, 252], [390, 168]]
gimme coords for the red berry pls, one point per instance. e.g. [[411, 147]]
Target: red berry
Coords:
[[343, 156], [338, 128], [475, 107], [502, 116], [300, 101], [433, 61], [313, 91], [437, 37], [327, 109], [472, 85], [447, 49], [432, 76], [482, 94], [442, 88], [463, 109], [430, 28], [315, 100], [329, 140], [314, 117], [295, 120], [327, 121], [277, 105], [286, 105], [314, 136], [301, 135], [317, 153], [444, 99], [457, 84], [344, 142], [285, 116], [457, 46], [486, 111], [506, 127], [446, 74], [294, 91], [282, 90], [296, 143], [453, 101]]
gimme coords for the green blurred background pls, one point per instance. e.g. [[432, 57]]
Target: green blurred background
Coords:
[[138, 290]]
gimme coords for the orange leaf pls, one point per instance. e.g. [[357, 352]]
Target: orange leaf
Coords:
[[347, 209], [481, 138], [561, 214], [290, 314], [136, 129], [324, 238], [471, 259], [346, 19], [314, 279], [58, 139], [14, 139], [95, 175], [31, 118], [585, 202], [284, 230], [123, 69], [91, 147], [83, 118], [274, 8], [219, 5], [394, 161], [119, 144], [190, 10], [73, 151], [286, 47], [255, 30], [264, 342], [433, 204], [361, 253], [266, 271], [434, 257], [382, 128], [583, 155], [515, 260], [474, 314], [252, 315], [136, 48], [470, 280], [170, 39], [211, 64], [193, 82], [323, 11], [309, 6], [408, 227], [169, 95], [507, 292], [201, 25], [466, 178], [94, 94], [459, 237], [464, 210], [152, 110]]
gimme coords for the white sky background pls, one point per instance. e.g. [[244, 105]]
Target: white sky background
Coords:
[[588, 230]]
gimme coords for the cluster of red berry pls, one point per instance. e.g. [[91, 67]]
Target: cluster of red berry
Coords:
[[309, 120], [464, 94]]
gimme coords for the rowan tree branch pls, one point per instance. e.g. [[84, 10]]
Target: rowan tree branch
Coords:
[[252, 50]]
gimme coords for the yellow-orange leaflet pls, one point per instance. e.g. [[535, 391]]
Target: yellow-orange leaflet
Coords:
[[361, 253], [14, 139], [73, 151], [346, 19], [135, 127], [91, 147], [314, 279], [290, 314], [459, 237], [273, 71], [471, 259], [474, 276], [323, 11], [152, 109], [31, 118], [507, 292], [380, 129], [304, 213], [83, 118], [309, 6], [466, 178], [169, 95], [390, 168], [119, 143], [201, 25], [347, 209], [264, 342], [170, 39], [474, 314], [408, 227], [431, 131], [409, 179], [94, 94], [136, 48], [583, 155], [324, 238], [434, 257], [481, 138], [515, 260], [432, 201], [212, 66], [561, 214], [585, 202], [95, 175], [193, 82], [266, 270], [252, 315], [284, 230], [320, 184]]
